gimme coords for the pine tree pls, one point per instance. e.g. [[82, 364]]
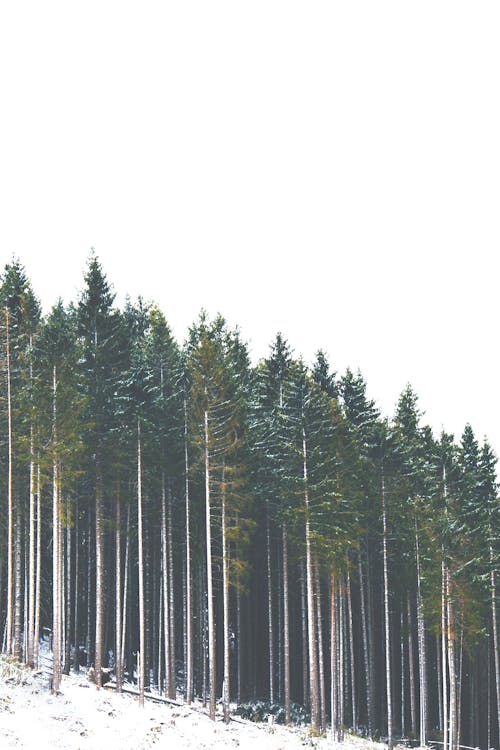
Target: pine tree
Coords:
[[98, 325]]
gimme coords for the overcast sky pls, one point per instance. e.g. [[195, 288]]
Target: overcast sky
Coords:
[[327, 169]]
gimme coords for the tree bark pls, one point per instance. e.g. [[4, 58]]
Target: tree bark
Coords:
[[311, 630], [142, 639], [386, 617], [210, 602]]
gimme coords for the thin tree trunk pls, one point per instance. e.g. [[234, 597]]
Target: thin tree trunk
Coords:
[[99, 578], [321, 663], [67, 629], [451, 668], [305, 658], [76, 658], [270, 607], [164, 566], [422, 659], [495, 638], [31, 590], [351, 654], [210, 602], [225, 595], [171, 592], [444, 652], [125, 591], [189, 607], [142, 638], [313, 667], [10, 522], [439, 670], [333, 660], [118, 596], [286, 627], [411, 661], [56, 572], [403, 672], [366, 656], [36, 645], [386, 618]]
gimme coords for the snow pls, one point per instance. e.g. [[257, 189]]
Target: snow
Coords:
[[84, 718]]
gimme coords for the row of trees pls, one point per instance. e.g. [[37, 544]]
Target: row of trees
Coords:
[[238, 532]]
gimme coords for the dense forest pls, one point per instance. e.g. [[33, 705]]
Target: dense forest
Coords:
[[235, 533]]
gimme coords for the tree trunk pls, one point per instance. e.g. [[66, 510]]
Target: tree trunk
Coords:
[[56, 571], [10, 522], [495, 638], [366, 655], [225, 596], [286, 628], [311, 630], [411, 661], [142, 638], [351, 654], [333, 660], [31, 563], [164, 570], [118, 596], [210, 602], [386, 618], [171, 593], [189, 608], [321, 663], [270, 607], [36, 645], [99, 578]]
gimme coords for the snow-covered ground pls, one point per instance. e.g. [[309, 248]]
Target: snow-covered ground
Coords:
[[84, 718]]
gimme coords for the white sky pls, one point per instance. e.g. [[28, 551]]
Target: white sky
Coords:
[[327, 169]]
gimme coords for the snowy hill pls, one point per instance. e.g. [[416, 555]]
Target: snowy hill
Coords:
[[83, 718]]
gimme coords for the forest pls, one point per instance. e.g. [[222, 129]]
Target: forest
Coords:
[[244, 534]]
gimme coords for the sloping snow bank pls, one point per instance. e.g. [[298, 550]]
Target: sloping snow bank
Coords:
[[84, 718]]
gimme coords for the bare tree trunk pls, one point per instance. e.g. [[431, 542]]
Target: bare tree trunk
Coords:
[[36, 644], [76, 658], [451, 669], [270, 607], [333, 660], [366, 656], [439, 683], [56, 571], [305, 657], [67, 603], [321, 663], [118, 595], [142, 639], [189, 606], [351, 654], [422, 659], [164, 566], [386, 618], [225, 596], [31, 564], [238, 640], [171, 593], [286, 627], [210, 603], [403, 671], [18, 595], [125, 591], [495, 637], [311, 630], [411, 660], [444, 652], [10, 526], [99, 578]]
